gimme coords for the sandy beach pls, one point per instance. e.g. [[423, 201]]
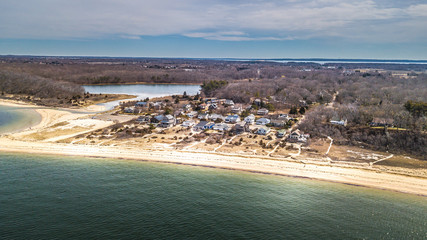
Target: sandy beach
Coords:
[[367, 176]]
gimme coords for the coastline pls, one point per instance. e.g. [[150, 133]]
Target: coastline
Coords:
[[372, 177], [140, 83]]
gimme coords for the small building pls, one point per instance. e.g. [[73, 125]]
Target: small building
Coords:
[[200, 126], [241, 127], [214, 117], [232, 118], [192, 114], [143, 119], [141, 104], [187, 107], [209, 125], [257, 102], [382, 122], [203, 116], [263, 130], [168, 121], [339, 122], [284, 116], [129, 110], [213, 106], [237, 109], [281, 133], [278, 122], [228, 102], [158, 118], [250, 119], [188, 123], [263, 121], [297, 136], [221, 127], [262, 111], [178, 112]]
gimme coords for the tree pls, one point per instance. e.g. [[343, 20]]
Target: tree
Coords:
[[293, 110], [302, 110]]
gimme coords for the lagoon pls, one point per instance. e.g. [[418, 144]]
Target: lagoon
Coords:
[[142, 91], [13, 119]]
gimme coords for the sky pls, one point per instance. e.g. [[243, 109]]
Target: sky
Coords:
[[368, 29]]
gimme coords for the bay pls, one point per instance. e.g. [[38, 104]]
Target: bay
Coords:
[[56, 197]]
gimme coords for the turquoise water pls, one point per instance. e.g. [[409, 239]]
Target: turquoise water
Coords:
[[50, 197], [142, 91], [16, 118]]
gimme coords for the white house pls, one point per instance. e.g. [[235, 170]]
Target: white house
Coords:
[[229, 102], [232, 118], [262, 111], [188, 123], [221, 127], [263, 130], [263, 121], [168, 121], [250, 119], [192, 114]]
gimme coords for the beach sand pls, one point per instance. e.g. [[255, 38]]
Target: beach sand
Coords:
[[353, 174]]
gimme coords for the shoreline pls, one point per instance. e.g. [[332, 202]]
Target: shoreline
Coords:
[[371, 178], [138, 83], [377, 177]]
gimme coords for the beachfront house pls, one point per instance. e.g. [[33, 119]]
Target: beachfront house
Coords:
[[263, 130], [143, 119], [192, 114], [297, 136], [141, 104], [278, 122], [188, 123], [241, 127], [200, 126], [232, 118], [237, 109], [263, 121], [262, 112], [203, 116], [250, 119], [167, 121], [214, 117], [221, 127], [281, 133]]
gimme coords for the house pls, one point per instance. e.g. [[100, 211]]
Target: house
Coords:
[[263, 130], [187, 107], [178, 112], [200, 125], [214, 117], [285, 117], [340, 122], [228, 102], [203, 116], [192, 114], [278, 122], [158, 118], [237, 109], [232, 118], [157, 105], [382, 122], [241, 127], [257, 102], [281, 133], [168, 121], [263, 121], [143, 119], [213, 106], [129, 110], [141, 104], [221, 127], [262, 111], [203, 107], [250, 119], [208, 126], [297, 136], [188, 123]]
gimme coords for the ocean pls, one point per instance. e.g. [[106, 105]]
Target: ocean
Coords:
[[60, 197]]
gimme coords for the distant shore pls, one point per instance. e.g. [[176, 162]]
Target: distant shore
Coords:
[[374, 177], [139, 83]]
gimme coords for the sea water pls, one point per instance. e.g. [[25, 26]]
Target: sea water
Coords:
[[57, 197]]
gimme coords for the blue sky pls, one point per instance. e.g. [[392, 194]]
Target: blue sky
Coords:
[[385, 29]]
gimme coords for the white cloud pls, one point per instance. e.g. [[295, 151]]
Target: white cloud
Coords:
[[215, 20]]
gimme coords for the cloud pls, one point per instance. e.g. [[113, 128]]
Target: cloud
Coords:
[[223, 20]]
